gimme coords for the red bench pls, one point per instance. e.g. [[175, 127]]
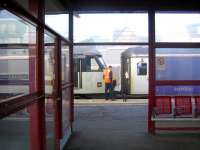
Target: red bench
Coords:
[[183, 106], [163, 107], [197, 106]]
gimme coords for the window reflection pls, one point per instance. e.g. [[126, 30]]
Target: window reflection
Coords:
[[141, 68], [65, 63], [17, 56], [14, 29]]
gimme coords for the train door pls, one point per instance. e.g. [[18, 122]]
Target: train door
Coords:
[[88, 76], [77, 73], [139, 75], [93, 76], [126, 82]]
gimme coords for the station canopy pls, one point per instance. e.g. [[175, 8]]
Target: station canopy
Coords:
[[63, 6]]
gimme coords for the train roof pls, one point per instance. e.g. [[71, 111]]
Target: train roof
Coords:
[[86, 51], [133, 51], [143, 51]]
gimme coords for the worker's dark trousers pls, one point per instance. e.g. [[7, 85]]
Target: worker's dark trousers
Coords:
[[125, 91], [108, 91], [125, 94]]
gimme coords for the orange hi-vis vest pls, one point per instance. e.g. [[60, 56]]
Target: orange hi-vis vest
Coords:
[[106, 75]]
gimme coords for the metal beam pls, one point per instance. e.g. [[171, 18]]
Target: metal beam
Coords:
[[71, 35], [14, 104], [110, 43], [177, 45], [57, 94], [177, 82], [37, 110]]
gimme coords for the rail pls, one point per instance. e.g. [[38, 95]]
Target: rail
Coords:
[[16, 103]]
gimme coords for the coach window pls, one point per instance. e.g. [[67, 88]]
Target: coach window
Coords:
[[141, 69]]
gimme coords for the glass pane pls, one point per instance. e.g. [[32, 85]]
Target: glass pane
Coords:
[[111, 27], [49, 64], [49, 81], [50, 123], [177, 27], [177, 90], [17, 56], [15, 131], [65, 110], [65, 91], [177, 64], [65, 63], [94, 65], [89, 81], [14, 29], [59, 23]]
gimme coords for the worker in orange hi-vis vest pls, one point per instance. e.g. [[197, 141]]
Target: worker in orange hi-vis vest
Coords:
[[108, 77]]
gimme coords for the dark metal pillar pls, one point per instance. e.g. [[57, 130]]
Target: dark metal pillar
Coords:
[[151, 19], [58, 94], [71, 65]]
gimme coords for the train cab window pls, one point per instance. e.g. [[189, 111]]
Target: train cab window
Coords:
[[89, 64], [141, 69], [102, 62], [94, 65]]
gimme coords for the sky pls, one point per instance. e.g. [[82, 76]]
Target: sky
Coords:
[[169, 27], [131, 27]]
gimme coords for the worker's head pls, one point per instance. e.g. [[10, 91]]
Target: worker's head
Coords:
[[110, 67]]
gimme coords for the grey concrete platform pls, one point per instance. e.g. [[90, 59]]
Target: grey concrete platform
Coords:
[[106, 125]]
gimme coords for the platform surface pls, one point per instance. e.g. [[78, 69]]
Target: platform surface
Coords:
[[118, 125]]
